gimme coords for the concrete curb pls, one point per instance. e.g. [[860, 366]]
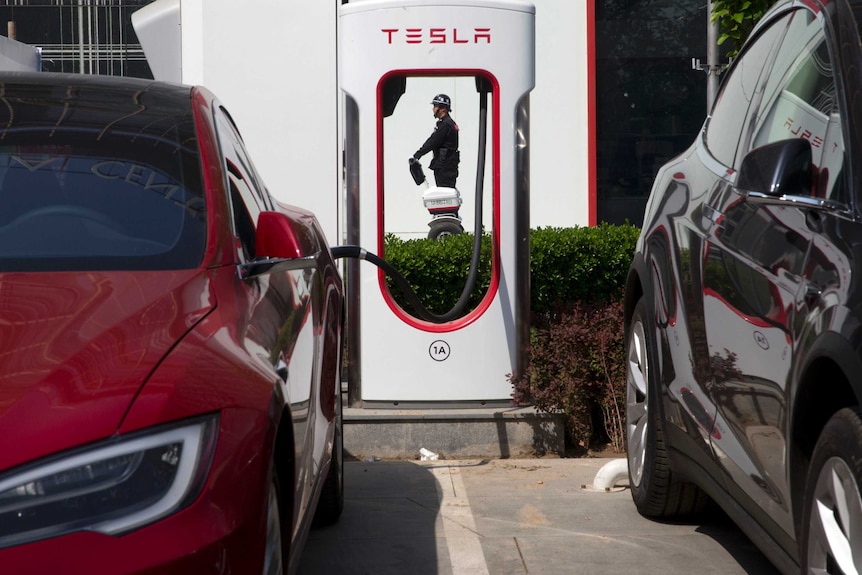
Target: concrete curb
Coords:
[[452, 433]]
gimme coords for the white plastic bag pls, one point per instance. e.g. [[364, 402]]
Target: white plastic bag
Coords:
[[427, 455]]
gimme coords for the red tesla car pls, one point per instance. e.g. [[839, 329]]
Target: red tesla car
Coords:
[[170, 339]]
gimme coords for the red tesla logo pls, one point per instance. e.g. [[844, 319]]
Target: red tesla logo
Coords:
[[437, 35]]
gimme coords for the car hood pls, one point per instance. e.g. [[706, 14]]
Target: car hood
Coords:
[[75, 349]]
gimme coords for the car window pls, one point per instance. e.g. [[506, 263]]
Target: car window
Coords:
[[73, 198], [738, 91], [800, 102], [246, 198], [235, 149]]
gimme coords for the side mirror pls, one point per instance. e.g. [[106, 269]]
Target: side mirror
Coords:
[[276, 237], [282, 244], [778, 169]]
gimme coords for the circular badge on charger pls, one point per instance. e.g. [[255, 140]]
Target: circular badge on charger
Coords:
[[439, 350]]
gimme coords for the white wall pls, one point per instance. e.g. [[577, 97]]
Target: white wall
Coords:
[[559, 175], [272, 64]]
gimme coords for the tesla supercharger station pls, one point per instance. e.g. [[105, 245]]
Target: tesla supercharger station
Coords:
[[394, 56]]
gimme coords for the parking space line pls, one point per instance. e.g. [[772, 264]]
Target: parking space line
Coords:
[[459, 527]]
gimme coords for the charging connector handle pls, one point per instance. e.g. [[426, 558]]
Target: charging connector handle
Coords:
[[357, 252]]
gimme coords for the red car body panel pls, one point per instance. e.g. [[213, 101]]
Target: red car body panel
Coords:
[[77, 348], [91, 356], [222, 532]]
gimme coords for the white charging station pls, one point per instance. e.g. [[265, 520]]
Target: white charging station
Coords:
[[392, 53]]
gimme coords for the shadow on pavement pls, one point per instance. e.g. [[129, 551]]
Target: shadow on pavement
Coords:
[[388, 525], [726, 533], [513, 517]]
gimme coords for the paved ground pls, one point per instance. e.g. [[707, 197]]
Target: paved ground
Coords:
[[528, 516]]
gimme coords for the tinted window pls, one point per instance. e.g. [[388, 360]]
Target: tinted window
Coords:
[[800, 102], [737, 93], [246, 196], [98, 190]]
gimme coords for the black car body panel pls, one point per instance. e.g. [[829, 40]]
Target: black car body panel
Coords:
[[746, 261]]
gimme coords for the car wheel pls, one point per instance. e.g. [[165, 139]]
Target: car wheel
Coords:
[[274, 550], [331, 503], [832, 521], [440, 230], [655, 491]]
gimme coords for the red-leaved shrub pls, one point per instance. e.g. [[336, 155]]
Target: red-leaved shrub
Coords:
[[577, 367]]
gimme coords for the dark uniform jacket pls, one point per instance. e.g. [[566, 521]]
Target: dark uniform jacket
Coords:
[[444, 143]]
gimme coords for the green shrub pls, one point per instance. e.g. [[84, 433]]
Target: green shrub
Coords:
[[568, 265], [583, 264], [736, 19], [437, 270]]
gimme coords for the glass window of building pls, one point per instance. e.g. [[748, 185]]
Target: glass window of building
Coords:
[[650, 103]]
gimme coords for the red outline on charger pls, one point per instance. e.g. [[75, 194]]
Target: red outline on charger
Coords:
[[495, 234]]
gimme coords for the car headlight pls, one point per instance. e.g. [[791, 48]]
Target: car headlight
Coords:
[[111, 487]]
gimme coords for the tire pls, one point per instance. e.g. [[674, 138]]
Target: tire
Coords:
[[274, 551], [444, 229], [331, 502], [655, 491], [832, 516]]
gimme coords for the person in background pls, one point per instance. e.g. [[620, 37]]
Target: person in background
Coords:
[[444, 143]]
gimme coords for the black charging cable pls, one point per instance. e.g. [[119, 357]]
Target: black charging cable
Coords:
[[357, 252]]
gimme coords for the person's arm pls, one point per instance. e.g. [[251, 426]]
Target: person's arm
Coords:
[[434, 141]]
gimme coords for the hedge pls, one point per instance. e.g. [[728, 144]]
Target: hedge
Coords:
[[567, 265]]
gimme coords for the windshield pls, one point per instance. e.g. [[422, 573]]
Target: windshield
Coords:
[[100, 197]]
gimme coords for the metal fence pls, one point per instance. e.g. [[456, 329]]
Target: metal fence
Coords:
[[80, 36]]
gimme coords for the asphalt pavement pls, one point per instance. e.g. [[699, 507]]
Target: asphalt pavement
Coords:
[[504, 516]]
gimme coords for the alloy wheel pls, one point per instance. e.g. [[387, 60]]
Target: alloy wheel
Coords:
[[835, 521], [637, 378]]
